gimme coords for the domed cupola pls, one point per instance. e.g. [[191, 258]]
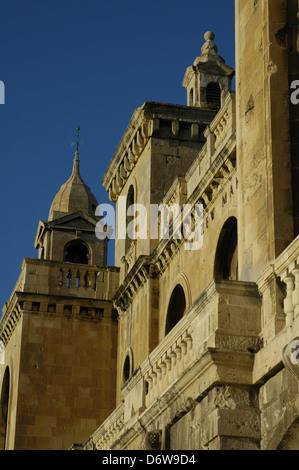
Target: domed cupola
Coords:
[[68, 236], [73, 196], [209, 79]]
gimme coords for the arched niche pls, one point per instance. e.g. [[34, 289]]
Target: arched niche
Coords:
[[128, 365], [191, 97], [129, 202], [176, 308], [226, 259], [76, 251], [4, 401], [213, 94]]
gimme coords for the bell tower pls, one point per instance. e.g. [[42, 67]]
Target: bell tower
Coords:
[[69, 233], [59, 331], [209, 79]]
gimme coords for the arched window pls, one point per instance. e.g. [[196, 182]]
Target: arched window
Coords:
[[127, 369], [226, 260], [213, 94], [176, 308], [191, 97], [76, 251], [4, 400], [130, 201], [128, 365]]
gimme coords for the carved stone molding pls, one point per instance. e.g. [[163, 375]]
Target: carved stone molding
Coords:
[[152, 440]]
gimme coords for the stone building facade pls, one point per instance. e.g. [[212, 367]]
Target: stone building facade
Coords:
[[180, 346]]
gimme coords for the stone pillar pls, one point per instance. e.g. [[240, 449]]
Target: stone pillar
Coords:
[[230, 418], [265, 219]]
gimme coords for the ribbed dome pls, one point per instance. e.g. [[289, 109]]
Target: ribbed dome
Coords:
[[73, 196]]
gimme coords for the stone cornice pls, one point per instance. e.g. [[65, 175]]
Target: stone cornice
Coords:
[[143, 269], [220, 164], [207, 371], [10, 318], [21, 303], [157, 262], [144, 124]]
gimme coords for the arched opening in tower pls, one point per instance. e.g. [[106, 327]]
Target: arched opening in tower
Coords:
[[213, 94], [226, 259], [4, 400], [176, 308], [76, 252]]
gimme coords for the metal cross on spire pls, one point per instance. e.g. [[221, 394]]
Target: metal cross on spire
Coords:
[[76, 165], [77, 143]]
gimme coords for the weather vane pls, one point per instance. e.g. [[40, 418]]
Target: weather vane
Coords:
[[77, 143]]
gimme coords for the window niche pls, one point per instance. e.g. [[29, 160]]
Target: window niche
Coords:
[[76, 251], [129, 202], [176, 308], [226, 259], [4, 402], [191, 97], [213, 95], [128, 365]]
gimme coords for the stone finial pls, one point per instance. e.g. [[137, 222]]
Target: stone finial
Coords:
[[209, 45], [208, 73], [209, 36]]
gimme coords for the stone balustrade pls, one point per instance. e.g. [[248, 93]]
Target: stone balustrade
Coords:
[[53, 277], [211, 324], [78, 277], [129, 259], [106, 434], [287, 268], [216, 162], [224, 124], [167, 366]]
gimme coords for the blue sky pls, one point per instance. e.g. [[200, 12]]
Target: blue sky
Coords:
[[92, 63]]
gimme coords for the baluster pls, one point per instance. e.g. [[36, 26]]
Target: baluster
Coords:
[[149, 395], [61, 278], [178, 353], [183, 346], [172, 355], [86, 280], [69, 278], [82, 277], [95, 281], [167, 362], [295, 295], [163, 371], [159, 377], [288, 302], [154, 376], [188, 340], [78, 279]]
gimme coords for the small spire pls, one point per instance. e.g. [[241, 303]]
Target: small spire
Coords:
[[76, 166], [77, 143]]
